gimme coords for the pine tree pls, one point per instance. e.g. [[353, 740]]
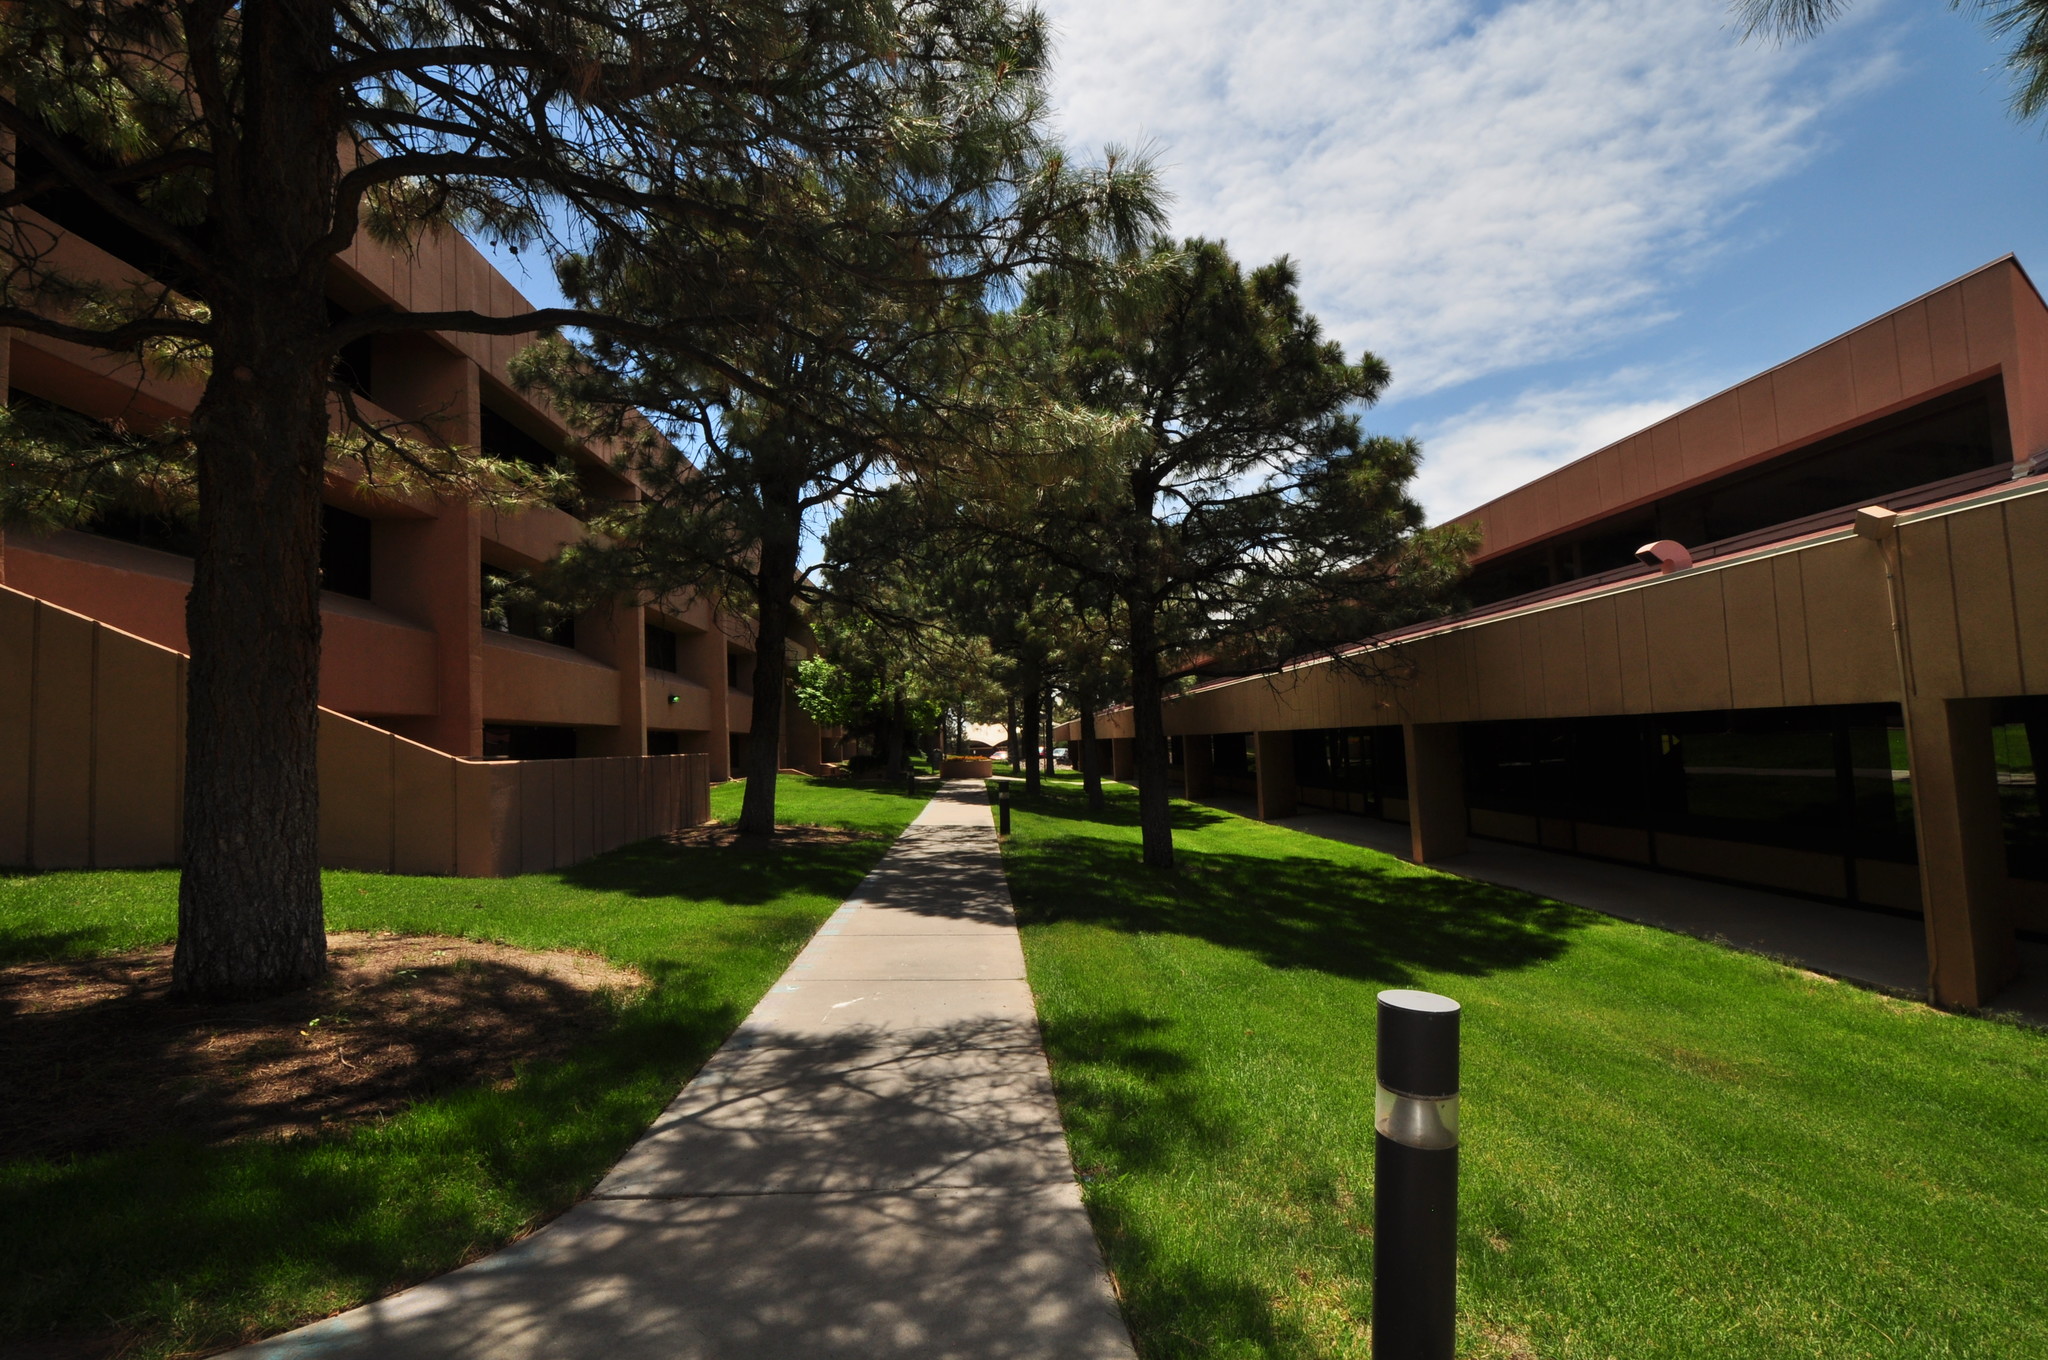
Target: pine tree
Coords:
[[1200, 466]]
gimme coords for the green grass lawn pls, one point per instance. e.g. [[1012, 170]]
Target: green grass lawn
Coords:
[[1670, 1149], [189, 1247]]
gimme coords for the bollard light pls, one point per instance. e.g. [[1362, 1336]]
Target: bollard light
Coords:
[[910, 782], [1003, 811], [1415, 1179]]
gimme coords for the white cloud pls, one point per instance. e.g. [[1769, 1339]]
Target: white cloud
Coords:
[[1467, 188], [1478, 454]]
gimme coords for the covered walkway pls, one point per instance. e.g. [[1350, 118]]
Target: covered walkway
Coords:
[[1871, 948]]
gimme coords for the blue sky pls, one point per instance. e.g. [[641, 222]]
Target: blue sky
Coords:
[[1560, 220]]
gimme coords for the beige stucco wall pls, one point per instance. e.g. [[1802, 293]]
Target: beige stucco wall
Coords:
[[91, 763], [1807, 623]]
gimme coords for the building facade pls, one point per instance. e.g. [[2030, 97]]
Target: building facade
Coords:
[[1833, 685], [419, 640]]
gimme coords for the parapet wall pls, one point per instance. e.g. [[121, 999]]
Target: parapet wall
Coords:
[[92, 758]]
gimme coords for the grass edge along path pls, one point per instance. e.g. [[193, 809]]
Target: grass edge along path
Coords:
[[1671, 1149], [169, 1247]]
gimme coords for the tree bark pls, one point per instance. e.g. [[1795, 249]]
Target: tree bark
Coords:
[[1010, 728], [1091, 760], [774, 607], [1155, 809], [1051, 765], [249, 906], [898, 725], [1029, 736]]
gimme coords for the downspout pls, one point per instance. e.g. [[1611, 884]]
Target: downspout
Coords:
[[1881, 527]]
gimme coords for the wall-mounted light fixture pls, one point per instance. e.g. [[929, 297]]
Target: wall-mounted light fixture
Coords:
[[1666, 555]]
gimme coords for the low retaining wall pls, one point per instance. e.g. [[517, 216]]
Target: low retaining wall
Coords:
[[92, 724]]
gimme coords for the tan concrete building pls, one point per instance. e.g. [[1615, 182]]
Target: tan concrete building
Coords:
[[418, 641], [1846, 714]]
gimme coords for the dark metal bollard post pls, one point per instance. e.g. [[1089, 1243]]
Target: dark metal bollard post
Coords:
[[1003, 812], [910, 782], [1415, 1179]]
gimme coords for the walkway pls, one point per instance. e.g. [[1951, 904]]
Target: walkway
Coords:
[[871, 1166], [1873, 948]]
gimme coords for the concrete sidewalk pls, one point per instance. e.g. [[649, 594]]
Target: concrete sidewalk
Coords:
[[1873, 948], [872, 1165]]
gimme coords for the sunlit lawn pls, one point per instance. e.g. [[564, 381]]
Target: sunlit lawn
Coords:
[[1671, 1149], [187, 1247]]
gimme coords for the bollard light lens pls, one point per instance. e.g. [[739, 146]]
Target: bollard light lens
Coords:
[[1415, 1121]]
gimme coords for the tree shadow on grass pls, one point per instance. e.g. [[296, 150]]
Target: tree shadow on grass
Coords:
[[740, 874], [1129, 1081], [180, 1246], [1131, 1109], [1352, 913]]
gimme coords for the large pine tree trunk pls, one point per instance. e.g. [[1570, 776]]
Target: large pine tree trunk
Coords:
[[1091, 760], [774, 602], [899, 723], [249, 908], [1029, 736], [1155, 809], [1051, 765], [1010, 729]]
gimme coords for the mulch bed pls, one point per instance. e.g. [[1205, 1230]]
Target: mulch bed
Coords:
[[726, 836], [92, 1056]]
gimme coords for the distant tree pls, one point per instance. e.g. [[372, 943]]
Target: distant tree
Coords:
[[858, 321], [1203, 470], [2025, 22], [882, 616]]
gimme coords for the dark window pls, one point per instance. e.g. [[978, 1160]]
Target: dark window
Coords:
[[1962, 432], [664, 743], [732, 672], [2017, 743], [132, 522], [1369, 761], [1943, 438], [500, 437], [165, 533], [1828, 779], [344, 552], [71, 209], [505, 741], [1231, 755], [352, 365], [506, 611], [661, 649]]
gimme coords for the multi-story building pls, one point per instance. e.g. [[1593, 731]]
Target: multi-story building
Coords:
[[417, 641], [1783, 695]]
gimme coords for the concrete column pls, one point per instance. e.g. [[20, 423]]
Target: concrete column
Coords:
[[1971, 949], [1436, 791], [702, 658], [1123, 758], [431, 570], [802, 742], [615, 636], [1198, 765], [1273, 755]]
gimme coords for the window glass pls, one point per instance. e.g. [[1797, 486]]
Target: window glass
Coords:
[[1785, 779], [1882, 785], [661, 649], [2014, 745]]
